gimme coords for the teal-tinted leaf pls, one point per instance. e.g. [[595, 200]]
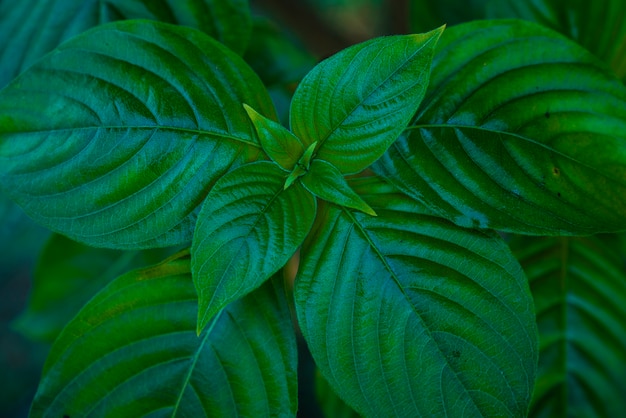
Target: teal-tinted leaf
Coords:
[[133, 351], [599, 26], [407, 314], [67, 275], [115, 137], [357, 102], [248, 228], [31, 28], [579, 287], [521, 130], [326, 181], [283, 147]]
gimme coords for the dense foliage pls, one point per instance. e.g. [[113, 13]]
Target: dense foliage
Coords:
[[452, 200]]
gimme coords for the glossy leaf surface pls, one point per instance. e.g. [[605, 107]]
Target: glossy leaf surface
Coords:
[[326, 181], [599, 26], [357, 102], [133, 351], [31, 28], [117, 148], [579, 288], [521, 130], [66, 276], [247, 230], [407, 314]]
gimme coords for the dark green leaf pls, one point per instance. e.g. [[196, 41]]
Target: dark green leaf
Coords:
[[407, 314], [329, 402], [357, 102], [247, 229], [115, 137], [579, 288], [283, 147], [31, 28], [67, 275], [326, 181], [133, 351], [521, 130], [599, 26]]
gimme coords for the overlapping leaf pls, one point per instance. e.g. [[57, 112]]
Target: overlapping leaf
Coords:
[[247, 229], [599, 26], [133, 351], [356, 103], [579, 286], [409, 315], [521, 130], [67, 275], [31, 28], [114, 138]]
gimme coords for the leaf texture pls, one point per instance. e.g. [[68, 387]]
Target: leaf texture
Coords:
[[248, 228], [599, 26], [31, 28], [357, 102], [66, 276], [133, 351], [579, 287], [407, 314], [521, 130], [116, 136]]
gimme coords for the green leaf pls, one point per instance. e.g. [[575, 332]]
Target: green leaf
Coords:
[[599, 26], [247, 230], [133, 351], [326, 181], [117, 146], [521, 130], [66, 276], [283, 147], [329, 402], [31, 28], [407, 314], [579, 288], [357, 102]]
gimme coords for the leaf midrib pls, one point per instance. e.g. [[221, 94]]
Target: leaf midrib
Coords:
[[140, 128]]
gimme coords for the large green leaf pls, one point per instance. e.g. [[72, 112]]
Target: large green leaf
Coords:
[[116, 136], [521, 130], [356, 103], [248, 228], [66, 276], [133, 351], [579, 287], [599, 26], [31, 28], [407, 314]]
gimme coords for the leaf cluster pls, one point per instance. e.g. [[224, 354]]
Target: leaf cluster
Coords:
[[442, 195]]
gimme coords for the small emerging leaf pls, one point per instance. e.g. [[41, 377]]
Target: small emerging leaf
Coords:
[[248, 228], [283, 147], [357, 102], [325, 181], [302, 167]]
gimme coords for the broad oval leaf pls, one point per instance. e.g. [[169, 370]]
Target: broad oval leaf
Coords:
[[248, 228], [357, 102], [521, 130], [579, 290], [31, 28], [407, 314], [67, 275], [115, 137], [133, 351]]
